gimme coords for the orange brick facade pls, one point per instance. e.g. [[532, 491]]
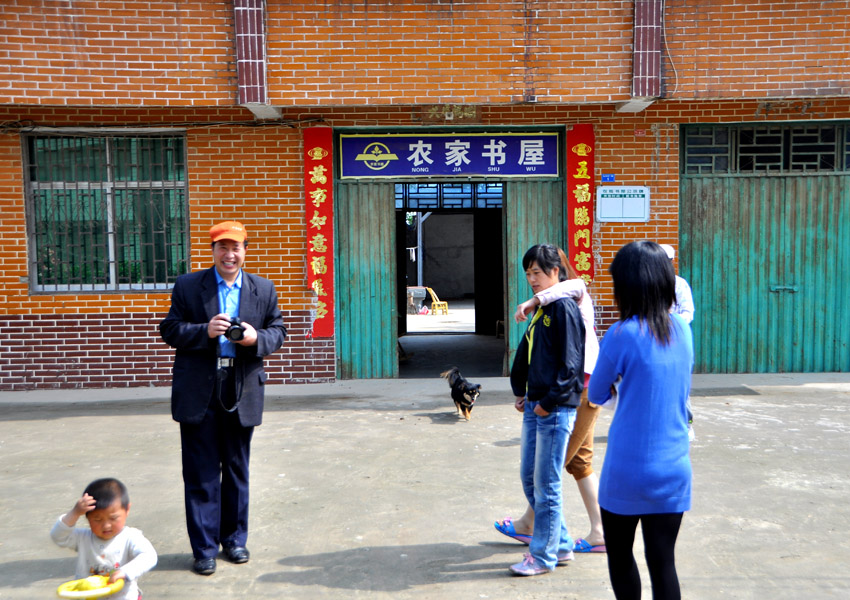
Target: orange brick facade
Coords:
[[102, 64], [395, 53]]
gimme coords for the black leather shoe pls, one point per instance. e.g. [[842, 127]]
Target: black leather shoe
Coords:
[[204, 566], [237, 554]]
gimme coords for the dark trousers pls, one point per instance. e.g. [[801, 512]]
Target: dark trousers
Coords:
[[659, 540], [216, 453]]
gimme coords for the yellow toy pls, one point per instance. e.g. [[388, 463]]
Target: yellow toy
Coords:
[[95, 586]]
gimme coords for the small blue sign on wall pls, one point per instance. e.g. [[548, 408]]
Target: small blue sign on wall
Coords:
[[608, 178], [449, 155]]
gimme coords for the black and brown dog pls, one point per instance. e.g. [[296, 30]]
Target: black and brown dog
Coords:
[[464, 393]]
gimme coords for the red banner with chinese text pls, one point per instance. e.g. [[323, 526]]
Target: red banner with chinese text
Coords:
[[319, 218], [580, 194]]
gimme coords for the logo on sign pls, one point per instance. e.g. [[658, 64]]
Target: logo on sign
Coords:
[[582, 149], [376, 156], [317, 153]]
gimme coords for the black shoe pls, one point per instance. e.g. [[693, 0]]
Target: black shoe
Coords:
[[204, 566], [237, 554]]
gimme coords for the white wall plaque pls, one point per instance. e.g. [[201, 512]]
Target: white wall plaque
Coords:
[[625, 203]]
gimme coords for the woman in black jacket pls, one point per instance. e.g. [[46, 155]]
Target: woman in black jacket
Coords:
[[547, 379]]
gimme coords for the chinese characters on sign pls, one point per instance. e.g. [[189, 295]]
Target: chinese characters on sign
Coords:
[[456, 113], [580, 194], [449, 155], [318, 215]]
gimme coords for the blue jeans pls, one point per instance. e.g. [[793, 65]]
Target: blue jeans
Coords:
[[543, 450]]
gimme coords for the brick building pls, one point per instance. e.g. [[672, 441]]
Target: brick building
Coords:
[[128, 128]]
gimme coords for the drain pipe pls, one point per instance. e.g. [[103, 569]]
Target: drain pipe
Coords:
[[249, 21], [646, 56]]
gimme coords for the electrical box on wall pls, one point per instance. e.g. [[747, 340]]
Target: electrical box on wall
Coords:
[[623, 203]]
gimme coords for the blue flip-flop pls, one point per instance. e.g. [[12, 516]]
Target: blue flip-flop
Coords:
[[506, 527], [584, 546]]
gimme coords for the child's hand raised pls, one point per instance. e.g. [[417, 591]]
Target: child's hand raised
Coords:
[[85, 504], [81, 507]]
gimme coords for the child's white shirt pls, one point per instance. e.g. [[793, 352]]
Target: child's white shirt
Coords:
[[684, 303], [576, 288], [130, 551]]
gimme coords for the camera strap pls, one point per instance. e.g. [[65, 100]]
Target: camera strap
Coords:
[[226, 385]]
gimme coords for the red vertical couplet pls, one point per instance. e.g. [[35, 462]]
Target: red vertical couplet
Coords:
[[319, 218], [580, 194]]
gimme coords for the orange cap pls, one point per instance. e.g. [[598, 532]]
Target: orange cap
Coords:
[[228, 230]]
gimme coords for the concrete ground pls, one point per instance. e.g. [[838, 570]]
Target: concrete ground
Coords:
[[375, 489]]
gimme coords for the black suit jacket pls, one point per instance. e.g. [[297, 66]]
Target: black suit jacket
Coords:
[[555, 374], [194, 301]]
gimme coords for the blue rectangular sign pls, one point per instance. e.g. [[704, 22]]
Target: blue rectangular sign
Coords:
[[449, 155]]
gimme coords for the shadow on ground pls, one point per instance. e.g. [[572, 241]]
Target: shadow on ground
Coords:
[[428, 355], [389, 568]]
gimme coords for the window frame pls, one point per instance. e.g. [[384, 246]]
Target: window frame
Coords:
[[110, 187], [426, 196], [739, 149]]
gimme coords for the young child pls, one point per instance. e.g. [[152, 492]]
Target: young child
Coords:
[[108, 548]]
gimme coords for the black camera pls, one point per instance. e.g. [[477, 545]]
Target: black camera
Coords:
[[235, 332]]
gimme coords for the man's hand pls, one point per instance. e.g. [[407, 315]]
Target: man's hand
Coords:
[[519, 403], [221, 323], [249, 338], [218, 325]]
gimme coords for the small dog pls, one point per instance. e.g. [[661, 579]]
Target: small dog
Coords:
[[464, 393]]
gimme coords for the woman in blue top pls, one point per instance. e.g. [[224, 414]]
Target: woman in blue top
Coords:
[[547, 378], [646, 475]]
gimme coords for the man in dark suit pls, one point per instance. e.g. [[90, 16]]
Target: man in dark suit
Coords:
[[217, 390]]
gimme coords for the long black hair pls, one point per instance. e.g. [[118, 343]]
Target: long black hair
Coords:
[[645, 286], [547, 258]]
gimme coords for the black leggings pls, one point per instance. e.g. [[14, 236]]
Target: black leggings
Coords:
[[659, 539]]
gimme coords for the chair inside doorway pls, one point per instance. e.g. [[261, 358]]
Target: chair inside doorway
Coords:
[[437, 306]]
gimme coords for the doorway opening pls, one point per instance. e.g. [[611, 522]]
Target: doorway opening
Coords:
[[450, 279]]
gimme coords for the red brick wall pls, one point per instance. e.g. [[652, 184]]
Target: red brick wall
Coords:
[[99, 339], [253, 173], [105, 53], [148, 53], [245, 172], [124, 350], [404, 52], [757, 49], [413, 52], [363, 64]]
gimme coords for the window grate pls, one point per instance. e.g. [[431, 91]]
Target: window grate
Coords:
[[707, 150], [766, 149], [813, 148], [432, 196], [106, 212]]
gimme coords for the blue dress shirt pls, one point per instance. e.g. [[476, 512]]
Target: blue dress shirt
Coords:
[[228, 303]]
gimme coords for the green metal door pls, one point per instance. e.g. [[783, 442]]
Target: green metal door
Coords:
[[366, 313], [533, 214], [767, 258]]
